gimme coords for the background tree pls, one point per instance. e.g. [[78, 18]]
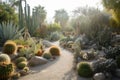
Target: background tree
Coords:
[[113, 6], [61, 16], [7, 13], [41, 14]]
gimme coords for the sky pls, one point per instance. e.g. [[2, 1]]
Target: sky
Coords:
[[68, 5]]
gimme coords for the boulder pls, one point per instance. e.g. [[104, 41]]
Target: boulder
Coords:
[[99, 76], [36, 60]]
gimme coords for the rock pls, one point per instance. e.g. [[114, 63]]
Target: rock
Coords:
[[46, 43], [36, 60], [99, 76], [117, 72]]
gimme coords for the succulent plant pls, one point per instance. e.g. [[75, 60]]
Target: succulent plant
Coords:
[[6, 71], [47, 55], [20, 59], [4, 59], [84, 69], [39, 52], [22, 65], [10, 47], [55, 51]]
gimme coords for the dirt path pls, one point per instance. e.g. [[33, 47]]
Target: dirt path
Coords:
[[60, 69]]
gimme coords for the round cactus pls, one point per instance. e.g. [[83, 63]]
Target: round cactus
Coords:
[[22, 65], [6, 71], [84, 69], [19, 47], [10, 47], [20, 59], [55, 51], [47, 55], [26, 69], [4, 59]]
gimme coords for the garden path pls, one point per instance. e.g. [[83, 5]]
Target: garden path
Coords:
[[59, 69]]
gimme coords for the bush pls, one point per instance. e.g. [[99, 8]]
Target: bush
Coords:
[[108, 65], [22, 65], [118, 61], [21, 59], [84, 69], [112, 52], [47, 55], [55, 51], [10, 47], [4, 59], [54, 36]]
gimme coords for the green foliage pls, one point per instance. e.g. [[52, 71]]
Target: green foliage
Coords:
[[20, 42], [113, 6], [61, 16], [21, 59], [47, 55], [118, 61], [7, 13], [9, 31], [54, 27], [95, 27], [84, 69], [10, 47], [54, 50], [22, 65], [6, 71], [4, 59]]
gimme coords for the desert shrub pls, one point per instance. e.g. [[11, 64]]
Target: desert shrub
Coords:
[[54, 36], [20, 42], [55, 51], [112, 52], [84, 69], [20, 59], [4, 59], [22, 65], [10, 47], [47, 55], [107, 65], [54, 27], [118, 61]]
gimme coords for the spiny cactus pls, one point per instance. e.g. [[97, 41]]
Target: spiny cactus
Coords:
[[6, 71], [47, 55], [10, 47], [55, 51], [22, 65], [20, 59], [4, 59], [84, 69]]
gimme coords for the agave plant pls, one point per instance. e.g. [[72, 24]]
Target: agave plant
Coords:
[[8, 31]]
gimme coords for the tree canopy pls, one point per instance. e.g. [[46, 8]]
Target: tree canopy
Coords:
[[61, 16]]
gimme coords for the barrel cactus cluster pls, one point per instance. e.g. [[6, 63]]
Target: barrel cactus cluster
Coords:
[[6, 67]]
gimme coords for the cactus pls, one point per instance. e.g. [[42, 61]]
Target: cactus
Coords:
[[55, 51], [84, 69], [39, 52], [22, 65], [47, 55], [4, 59], [10, 47], [6, 71], [20, 59]]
